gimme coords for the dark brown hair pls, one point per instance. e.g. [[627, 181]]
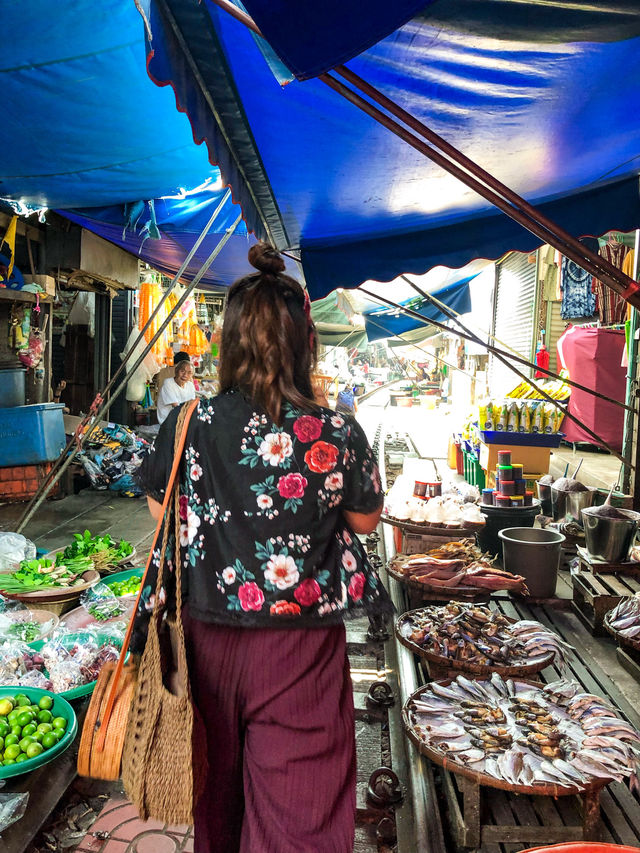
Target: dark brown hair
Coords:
[[268, 344]]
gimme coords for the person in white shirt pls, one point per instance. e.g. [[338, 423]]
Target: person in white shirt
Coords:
[[176, 391]]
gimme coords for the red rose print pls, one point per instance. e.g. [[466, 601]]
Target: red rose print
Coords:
[[307, 428], [308, 592], [322, 457], [356, 586], [184, 504], [292, 485], [285, 608], [251, 596]]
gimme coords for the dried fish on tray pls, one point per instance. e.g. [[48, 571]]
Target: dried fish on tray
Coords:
[[475, 638], [624, 621], [523, 737], [456, 565]]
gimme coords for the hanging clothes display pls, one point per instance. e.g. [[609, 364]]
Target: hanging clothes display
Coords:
[[149, 298], [612, 308], [578, 299], [542, 360], [548, 274]]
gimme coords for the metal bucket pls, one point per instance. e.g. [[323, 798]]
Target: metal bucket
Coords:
[[610, 539], [544, 493], [577, 501], [559, 504], [534, 554]]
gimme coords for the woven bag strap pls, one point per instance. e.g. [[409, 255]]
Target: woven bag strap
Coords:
[[189, 409]]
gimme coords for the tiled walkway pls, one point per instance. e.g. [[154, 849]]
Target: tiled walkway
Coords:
[[118, 829]]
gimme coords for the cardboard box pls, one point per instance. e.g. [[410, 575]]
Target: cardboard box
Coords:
[[48, 282], [533, 458]]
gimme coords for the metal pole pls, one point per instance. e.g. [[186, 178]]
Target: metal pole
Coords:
[[630, 399], [608, 270], [49, 479], [511, 367], [45, 488]]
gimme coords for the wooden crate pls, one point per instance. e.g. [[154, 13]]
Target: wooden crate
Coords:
[[595, 594], [600, 567]]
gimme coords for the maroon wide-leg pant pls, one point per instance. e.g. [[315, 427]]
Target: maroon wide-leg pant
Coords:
[[278, 709]]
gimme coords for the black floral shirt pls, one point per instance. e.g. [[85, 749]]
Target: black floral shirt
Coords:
[[262, 536]]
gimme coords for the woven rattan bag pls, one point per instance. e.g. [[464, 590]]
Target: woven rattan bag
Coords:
[[134, 720], [163, 774]]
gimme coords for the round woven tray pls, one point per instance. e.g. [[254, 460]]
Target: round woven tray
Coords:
[[461, 769], [630, 642], [429, 530], [55, 595], [441, 593], [534, 665]]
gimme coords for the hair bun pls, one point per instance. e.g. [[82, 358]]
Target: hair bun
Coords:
[[266, 259]]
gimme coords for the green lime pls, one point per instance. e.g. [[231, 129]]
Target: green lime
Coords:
[[45, 716], [22, 757], [25, 718], [34, 708], [5, 728], [24, 743], [1, 744], [21, 699], [13, 751], [45, 727], [29, 729], [45, 703], [16, 730], [59, 733], [59, 723], [12, 716], [49, 739], [11, 740], [37, 736], [34, 749], [9, 761]]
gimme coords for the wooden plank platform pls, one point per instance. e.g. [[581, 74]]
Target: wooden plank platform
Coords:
[[599, 567]]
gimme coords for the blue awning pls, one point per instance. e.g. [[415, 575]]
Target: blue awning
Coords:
[[544, 102], [82, 124]]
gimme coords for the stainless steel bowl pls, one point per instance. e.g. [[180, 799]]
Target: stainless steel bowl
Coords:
[[544, 493], [610, 539]]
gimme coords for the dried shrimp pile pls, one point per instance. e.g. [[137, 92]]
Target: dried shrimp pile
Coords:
[[456, 564], [475, 634], [625, 618], [526, 735]]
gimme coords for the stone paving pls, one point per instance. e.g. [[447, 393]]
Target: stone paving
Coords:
[[118, 829]]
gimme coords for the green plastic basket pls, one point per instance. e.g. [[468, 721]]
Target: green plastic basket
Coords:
[[122, 576], [68, 640], [61, 708]]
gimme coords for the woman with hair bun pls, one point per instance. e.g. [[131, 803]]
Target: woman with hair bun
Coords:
[[274, 488]]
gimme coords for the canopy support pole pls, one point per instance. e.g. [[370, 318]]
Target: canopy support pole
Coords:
[[52, 476], [69, 455], [467, 171], [409, 312]]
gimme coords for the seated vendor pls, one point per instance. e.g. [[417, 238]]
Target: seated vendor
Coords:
[[175, 391], [169, 371]]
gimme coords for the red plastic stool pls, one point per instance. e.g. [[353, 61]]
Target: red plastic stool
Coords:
[[583, 847]]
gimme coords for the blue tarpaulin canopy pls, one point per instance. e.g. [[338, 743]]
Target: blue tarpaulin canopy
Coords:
[[541, 94]]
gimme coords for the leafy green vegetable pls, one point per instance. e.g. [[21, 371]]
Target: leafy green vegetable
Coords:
[[104, 550], [34, 575]]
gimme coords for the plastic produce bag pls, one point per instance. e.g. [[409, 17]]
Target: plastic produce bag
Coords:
[[14, 548], [12, 808], [36, 678], [67, 676], [101, 603]]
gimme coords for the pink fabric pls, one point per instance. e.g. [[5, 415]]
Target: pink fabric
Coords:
[[278, 708], [592, 356]]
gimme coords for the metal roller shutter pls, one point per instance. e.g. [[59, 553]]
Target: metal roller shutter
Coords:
[[514, 318]]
